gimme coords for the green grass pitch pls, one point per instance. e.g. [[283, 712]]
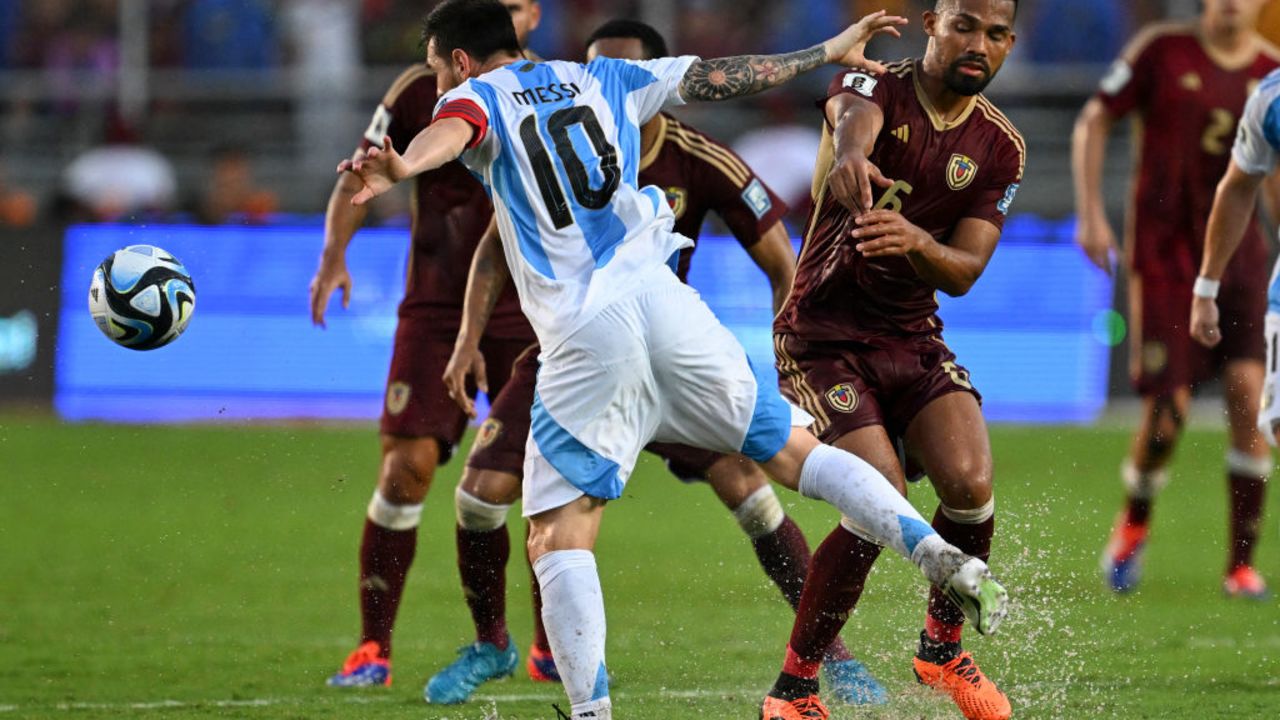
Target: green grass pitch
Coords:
[[175, 572]]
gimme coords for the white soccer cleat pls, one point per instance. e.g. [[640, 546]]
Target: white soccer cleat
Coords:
[[976, 592]]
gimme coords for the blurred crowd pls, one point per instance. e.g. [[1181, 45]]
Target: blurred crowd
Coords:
[[74, 46]]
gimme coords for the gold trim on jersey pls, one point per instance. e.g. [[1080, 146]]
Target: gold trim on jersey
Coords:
[[808, 399], [403, 81], [997, 118], [652, 153], [718, 157], [939, 123], [1231, 62], [822, 164], [901, 68]]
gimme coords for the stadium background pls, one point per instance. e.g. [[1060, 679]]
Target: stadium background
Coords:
[[211, 127]]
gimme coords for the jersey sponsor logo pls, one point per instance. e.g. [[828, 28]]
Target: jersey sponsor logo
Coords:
[[489, 431], [757, 198], [903, 133], [843, 398], [961, 170], [1116, 78], [378, 126], [861, 83], [678, 199], [1007, 200], [397, 397], [1191, 82]]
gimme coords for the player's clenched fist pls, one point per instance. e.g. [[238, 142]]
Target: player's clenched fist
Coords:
[[1204, 321], [853, 179], [881, 233]]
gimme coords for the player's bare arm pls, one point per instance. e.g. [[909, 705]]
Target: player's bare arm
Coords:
[[774, 255], [1088, 148], [1233, 206], [742, 75], [485, 282], [341, 221], [952, 268], [855, 125], [381, 168]]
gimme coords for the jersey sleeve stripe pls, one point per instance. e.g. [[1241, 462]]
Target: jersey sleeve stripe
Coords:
[[402, 83], [467, 111], [998, 119]]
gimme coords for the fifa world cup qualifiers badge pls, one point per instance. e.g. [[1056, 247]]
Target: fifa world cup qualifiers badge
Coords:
[[142, 297], [861, 83]]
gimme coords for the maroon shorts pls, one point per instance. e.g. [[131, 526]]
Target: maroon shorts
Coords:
[[1164, 357], [847, 386], [500, 444], [417, 403]]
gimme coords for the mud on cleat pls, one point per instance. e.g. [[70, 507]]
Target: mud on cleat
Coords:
[[364, 667]]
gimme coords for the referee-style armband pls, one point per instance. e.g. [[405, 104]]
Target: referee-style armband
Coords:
[[1206, 288]]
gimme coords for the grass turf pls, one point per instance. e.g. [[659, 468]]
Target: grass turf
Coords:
[[177, 572]]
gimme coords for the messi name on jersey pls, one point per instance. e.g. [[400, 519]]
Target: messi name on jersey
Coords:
[[555, 92]]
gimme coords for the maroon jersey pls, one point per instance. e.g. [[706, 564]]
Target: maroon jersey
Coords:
[[1188, 103], [700, 175], [451, 212], [969, 167]]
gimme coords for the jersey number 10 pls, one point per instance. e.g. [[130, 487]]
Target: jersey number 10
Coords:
[[558, 126]]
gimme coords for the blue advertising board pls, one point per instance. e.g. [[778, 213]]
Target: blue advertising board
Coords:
[[1027, 332]]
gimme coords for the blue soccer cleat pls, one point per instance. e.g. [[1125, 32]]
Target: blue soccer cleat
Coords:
[[476, 664], [1122, 558], [849, 682], [365, 667]]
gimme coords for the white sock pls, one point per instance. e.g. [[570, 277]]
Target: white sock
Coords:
[[869, 501], [573, 613]]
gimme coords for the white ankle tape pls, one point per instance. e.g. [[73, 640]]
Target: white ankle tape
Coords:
[[760, 514], [976, 516], [476, 514], [1243, 463], [1143, 485], [393, 517]]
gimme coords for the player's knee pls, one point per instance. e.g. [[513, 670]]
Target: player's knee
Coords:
[[965, 481], [1143, 484], [760, 513], [477, 515], [491, 486], [407, 469], [734, 479]]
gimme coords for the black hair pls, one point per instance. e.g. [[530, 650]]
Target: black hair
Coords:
[[939, 3], [480, 28], [654, 45]]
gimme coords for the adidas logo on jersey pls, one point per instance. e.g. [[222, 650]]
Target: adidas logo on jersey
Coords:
[[903, 133]]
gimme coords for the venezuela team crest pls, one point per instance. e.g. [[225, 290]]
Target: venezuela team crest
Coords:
[[677, 198], [843, 397], [961, 171], [397, 397], [489, 431]]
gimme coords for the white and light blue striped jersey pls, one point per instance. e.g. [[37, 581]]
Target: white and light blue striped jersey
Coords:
[[558, 147], [1257, 147]]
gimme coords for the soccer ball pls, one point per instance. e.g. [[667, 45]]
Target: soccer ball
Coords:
[[142, 297]]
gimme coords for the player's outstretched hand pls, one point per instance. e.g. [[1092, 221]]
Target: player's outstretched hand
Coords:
[[882, 233], [1204, 321], [465, 360], [377, 168], [331, 276], [847, 48], [853, 179], [1098, 241]]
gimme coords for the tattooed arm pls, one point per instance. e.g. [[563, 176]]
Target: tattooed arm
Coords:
[[725, 78]]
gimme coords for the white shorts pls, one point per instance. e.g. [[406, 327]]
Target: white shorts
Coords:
[[657, 365], [1269, 411]]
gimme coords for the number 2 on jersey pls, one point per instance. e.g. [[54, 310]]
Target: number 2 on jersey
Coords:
[[559, 123], [1222, 125]]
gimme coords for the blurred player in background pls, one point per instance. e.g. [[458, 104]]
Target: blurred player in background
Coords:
[[1187, 84], [1253, 159], [698, 175], [421, 425], [859, 343]]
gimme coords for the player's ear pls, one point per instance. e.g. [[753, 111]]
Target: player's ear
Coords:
[[461, 62], [535, 15], [930, 23]]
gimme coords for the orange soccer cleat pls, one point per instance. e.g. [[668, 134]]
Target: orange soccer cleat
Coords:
[[808, 707], [976, 696], [1245, 582], [364, 668]]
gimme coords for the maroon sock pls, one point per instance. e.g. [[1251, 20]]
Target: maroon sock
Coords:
[[784, 555], [385, 557], [482, 565], [837, 573], [1246, 493], [945, 618], [1138, 510], [540, 640]]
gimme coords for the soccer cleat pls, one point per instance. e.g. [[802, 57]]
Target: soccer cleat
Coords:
[[541, 666], [364, 668], [851, 683], [808, 707], [983, 600], [977, 697], [1122, 558], [1245, 582], [476, 664]]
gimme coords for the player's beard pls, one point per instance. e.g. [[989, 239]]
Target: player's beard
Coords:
[[961, 84]]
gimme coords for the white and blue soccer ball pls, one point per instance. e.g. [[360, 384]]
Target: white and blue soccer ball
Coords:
[[142, 297]]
